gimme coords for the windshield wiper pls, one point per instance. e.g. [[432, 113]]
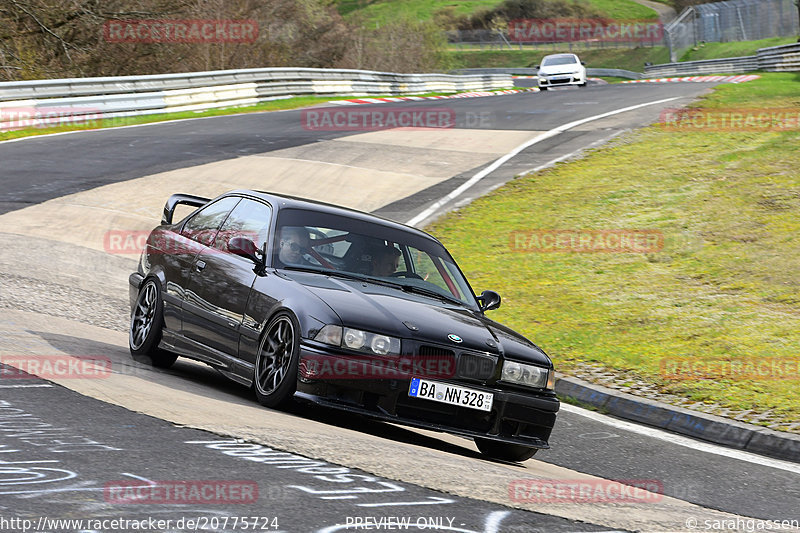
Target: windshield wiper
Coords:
[[369, 279], [427, 292], [316, 270], [379, 281], [346, 275]]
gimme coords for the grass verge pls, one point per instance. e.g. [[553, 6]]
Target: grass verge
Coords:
[[381, 11], [272, 105], [723, 291], [624, 58], [735, 49]]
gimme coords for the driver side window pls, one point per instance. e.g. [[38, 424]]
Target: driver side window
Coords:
[[250, 219], [203, 226]]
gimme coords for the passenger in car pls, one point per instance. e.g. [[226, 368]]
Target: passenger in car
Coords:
[[385, 261]]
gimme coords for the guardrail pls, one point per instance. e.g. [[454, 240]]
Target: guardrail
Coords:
[[167, 93], [775, 58], [608, 72], [784, 58], [710, 66]]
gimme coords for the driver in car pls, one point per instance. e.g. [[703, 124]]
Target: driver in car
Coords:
[[293, 244], [385, 261]]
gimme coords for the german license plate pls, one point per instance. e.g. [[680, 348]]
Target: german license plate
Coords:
[[451, 394]]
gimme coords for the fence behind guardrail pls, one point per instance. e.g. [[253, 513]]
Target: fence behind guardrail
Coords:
[[733, 20]]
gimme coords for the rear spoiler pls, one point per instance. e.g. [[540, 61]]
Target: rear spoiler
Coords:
[[181, 199]]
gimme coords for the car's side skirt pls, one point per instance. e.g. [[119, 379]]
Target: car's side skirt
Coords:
[[174, 342]]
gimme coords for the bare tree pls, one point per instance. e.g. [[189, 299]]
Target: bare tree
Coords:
[[61, 38]]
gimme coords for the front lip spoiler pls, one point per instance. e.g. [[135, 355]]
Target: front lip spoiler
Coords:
[[532, 442]]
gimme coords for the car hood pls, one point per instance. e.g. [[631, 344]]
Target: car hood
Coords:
[[382, 309], [559, 69]]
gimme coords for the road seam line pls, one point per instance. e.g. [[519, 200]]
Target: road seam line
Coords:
[[680, 440], [504, 159]]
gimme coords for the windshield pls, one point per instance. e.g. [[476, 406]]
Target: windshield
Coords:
[[351, 247], [559, 60]]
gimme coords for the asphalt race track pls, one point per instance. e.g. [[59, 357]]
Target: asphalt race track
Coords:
[[65, 444]]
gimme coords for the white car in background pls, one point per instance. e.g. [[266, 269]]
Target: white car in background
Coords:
[[561, 69]]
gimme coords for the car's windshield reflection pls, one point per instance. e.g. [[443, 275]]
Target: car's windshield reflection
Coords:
[[354, 249]]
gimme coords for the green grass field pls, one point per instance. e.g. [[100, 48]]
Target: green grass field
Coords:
[[624, 58], [724, 289], [380, 11], [272, 105], [735, 49]]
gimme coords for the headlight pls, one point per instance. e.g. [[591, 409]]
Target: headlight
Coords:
[[355, 339], [381, 344], [527, 375]]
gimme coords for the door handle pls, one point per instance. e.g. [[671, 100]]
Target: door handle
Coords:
[[200, 265]]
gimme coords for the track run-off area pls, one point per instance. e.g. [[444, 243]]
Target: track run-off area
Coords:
[[65, 293]]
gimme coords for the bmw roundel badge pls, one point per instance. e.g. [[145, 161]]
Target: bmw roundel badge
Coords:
[[453, 337]]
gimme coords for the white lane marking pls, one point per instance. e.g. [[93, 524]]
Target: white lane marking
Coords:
[[18, 139], [466, 200], [502, 160], [493, 521], [25, 386], [574, 152], [680, 440], [156, 123]]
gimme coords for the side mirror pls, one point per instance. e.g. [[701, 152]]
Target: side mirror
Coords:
[[489, 300], [537, 67], [583, 63], [244, 247]]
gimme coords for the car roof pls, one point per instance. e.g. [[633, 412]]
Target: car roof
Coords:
[[560, 55], [283, 201]]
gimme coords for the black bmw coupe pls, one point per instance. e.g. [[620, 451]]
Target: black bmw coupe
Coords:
[[302, 300]]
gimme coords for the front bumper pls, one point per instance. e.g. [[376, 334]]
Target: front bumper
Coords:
[[560, 79], [517, 417]]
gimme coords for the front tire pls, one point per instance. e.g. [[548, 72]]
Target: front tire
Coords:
[[505, 452], [147, 323], [275, 372]]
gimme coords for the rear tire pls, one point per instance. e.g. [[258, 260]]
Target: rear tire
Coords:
[[542, 88], [504, 451], [275, 371], [147, 323]]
